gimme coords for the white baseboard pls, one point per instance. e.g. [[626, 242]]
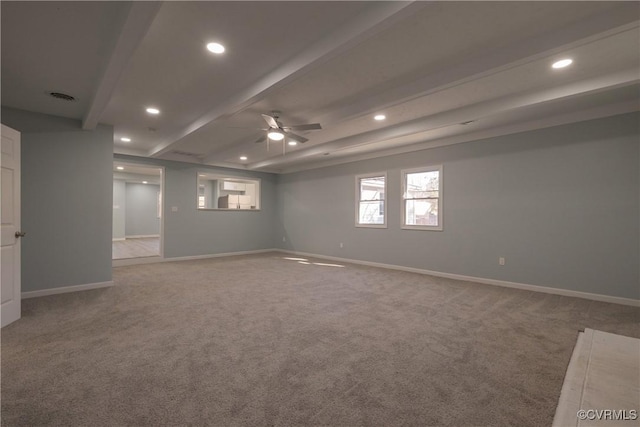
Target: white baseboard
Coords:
[[494, 282], [66, 289], [142, 236], [118, 239], [137, 261], [153, 260], [225, 254], [523, 286]]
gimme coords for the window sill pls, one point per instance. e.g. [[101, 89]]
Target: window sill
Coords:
[[422, 227], [228, 210], [371, 225]]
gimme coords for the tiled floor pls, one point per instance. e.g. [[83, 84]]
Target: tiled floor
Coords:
[[136, 248]]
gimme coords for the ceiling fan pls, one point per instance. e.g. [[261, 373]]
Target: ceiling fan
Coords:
[[277, 132]]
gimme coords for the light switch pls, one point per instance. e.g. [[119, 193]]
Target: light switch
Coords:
[[174, 209]]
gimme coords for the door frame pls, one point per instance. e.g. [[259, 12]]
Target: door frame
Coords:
[[147, 260]]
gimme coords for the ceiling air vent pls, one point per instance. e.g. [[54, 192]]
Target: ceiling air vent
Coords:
[[184, 153], [62, 96]]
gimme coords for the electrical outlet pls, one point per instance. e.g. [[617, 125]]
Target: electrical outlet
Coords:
[[501, 261], [341, 245], [284, 239]]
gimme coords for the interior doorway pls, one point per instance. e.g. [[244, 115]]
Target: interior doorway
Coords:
[[137, 211]]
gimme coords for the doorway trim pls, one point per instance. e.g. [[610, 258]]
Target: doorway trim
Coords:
[[150, 259]]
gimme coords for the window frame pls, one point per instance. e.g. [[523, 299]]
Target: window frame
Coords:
[[404, 173], [358, 199]]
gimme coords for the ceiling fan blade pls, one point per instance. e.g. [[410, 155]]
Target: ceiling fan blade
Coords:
[[310, 126], [263, 138], [300, 139], [244, 127], [270, 121]]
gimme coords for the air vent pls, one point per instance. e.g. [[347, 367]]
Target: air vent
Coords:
[[62, 96], [185, 153]]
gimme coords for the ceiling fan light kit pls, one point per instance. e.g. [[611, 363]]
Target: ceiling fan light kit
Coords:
[[277, 132], [276, 135]]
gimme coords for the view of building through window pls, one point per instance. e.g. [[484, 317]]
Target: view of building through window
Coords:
[[422, 198], [371, 209]]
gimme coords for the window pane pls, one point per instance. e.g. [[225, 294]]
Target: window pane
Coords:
[[421, 212], [372, 188], [422, 185], [371, 213]]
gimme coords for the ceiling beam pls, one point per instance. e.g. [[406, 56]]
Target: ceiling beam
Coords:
[[128, 151], [471, 112], [379, 16], [486, 63], [482, 64], [556, 120], [137, 19]]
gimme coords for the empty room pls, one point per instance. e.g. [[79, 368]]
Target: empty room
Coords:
[[313, 213]]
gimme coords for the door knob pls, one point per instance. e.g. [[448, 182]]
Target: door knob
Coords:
[[20, 234]]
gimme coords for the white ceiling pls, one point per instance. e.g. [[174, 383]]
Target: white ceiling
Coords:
[[136, 173], [428, 66]]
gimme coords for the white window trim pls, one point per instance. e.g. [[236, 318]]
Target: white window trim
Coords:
[[357, 199], [404, 173]]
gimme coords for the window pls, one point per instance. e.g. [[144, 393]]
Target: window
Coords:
[[422, 198], [223, 192], [370, 200]]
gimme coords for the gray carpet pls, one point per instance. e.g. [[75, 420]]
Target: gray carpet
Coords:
[[260, 340]]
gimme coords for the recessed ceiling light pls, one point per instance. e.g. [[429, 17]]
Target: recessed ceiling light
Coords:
[[276, 135], [125, 139], [120, 168], [379, 117], [215, 48], [293, 142], [562, 63], [243, 157], [144, 182], [152, 110]]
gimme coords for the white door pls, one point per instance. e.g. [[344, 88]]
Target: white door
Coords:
[[10, 219]]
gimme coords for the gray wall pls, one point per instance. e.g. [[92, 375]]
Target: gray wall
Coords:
[[192, 232], [560, 204], [141, 217], [119, 207], [66, 200]]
